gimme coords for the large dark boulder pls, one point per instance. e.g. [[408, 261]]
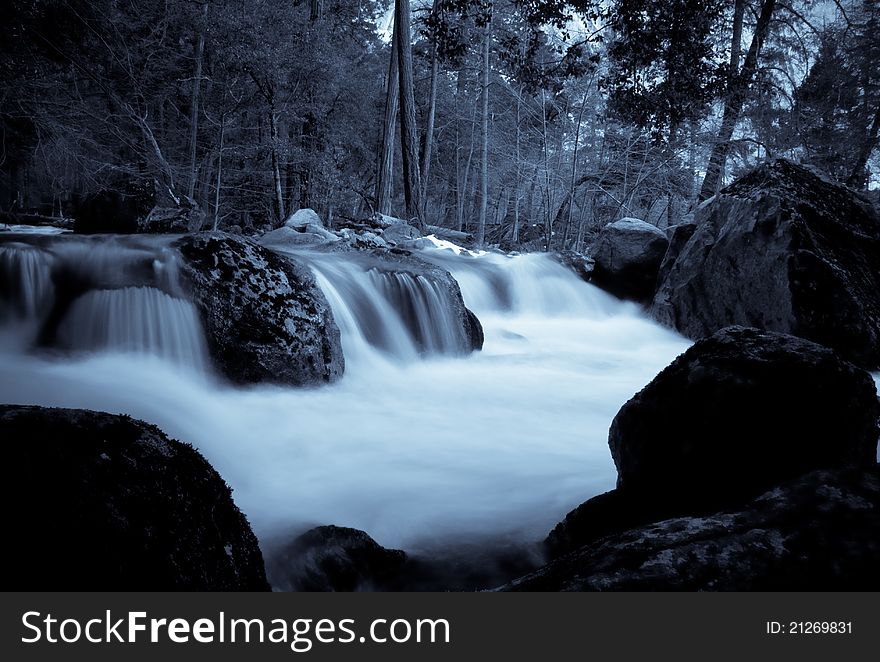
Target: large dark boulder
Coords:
[[96, 501], [265, 318], [678, 235], [737, 413], [743, 410], [785, 250], [627, 258], [334, 558], [819, 532]]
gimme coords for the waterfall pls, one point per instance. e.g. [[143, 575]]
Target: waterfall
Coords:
[[386, 314], [415, 452], [26, 287], [142, 320], [98, 294], [425, 307], [531, 284]]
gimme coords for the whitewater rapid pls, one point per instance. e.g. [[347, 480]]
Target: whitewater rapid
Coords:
[[415, 451]]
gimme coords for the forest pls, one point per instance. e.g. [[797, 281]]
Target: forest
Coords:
[[440, 295], [528, 124]]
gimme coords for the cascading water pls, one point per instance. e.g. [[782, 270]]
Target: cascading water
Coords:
[[111, 296], [141, 320], [386, 314], [417, 448], [425, 307], [26, 288]]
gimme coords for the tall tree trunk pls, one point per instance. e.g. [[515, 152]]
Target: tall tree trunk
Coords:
[[432, 110], [545, 194], [408, 130], [460, 173], [219, 171], [276, 166], [517, 183], [574, 163], [484, 135], [857, 176], [385, 177], [733, 104], [194, 110], [429, 128], [465, 178], [739, 10]]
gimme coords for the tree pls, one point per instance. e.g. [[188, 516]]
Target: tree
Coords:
[[738, 86], [385, 177], [408, 130], [484, 126]]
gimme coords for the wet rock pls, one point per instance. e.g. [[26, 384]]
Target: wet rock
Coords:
[[737, 413], [628, 254], [335, 558], [579, 263], [364, 240], [818, 532], [286, 237], [678, 235], [781, 249], [104, 502], [265, 318]]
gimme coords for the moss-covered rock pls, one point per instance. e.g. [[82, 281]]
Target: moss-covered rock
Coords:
[[781, 249], [97, 501], [265, 318]]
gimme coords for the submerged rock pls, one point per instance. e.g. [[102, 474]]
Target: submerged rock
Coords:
[[786, 250], [105, 502], [628, 254], [736, 414], [265, 318], [334, 558], [819, 532]]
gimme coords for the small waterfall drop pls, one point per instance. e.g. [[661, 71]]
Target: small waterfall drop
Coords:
[[384, 314], [365, 319], [425, 307], [531, 284], [26, 288], [142, 320], [98, 294]]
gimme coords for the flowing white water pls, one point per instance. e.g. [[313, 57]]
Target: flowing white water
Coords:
[[414, 451], [25, 281], [141, 320]]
